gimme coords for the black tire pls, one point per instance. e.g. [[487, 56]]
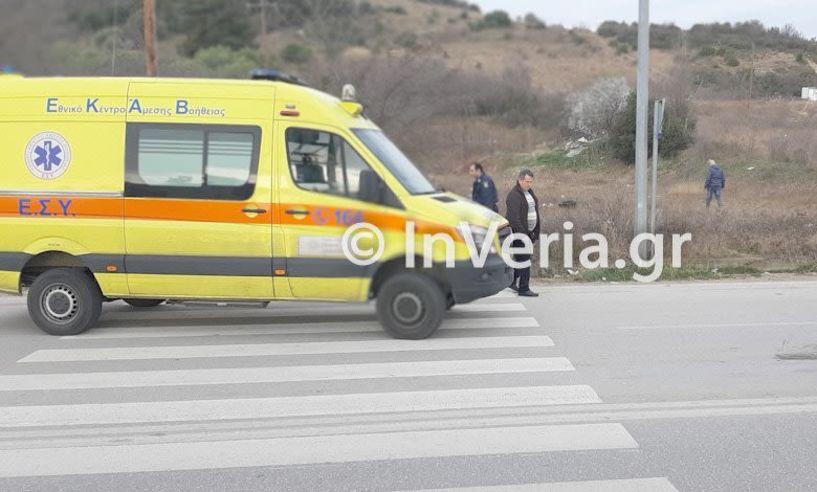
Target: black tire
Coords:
[[64, 301], [410, 306], [144, 303]]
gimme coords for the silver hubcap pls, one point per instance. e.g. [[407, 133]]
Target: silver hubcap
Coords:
[[407, 308], [59, 303]]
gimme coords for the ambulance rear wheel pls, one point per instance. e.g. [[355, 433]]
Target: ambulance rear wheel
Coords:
[[144, 303], [410, 306], [64, 301]]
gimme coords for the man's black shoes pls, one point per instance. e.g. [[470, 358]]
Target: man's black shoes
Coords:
[[513, 287], [528, 293]]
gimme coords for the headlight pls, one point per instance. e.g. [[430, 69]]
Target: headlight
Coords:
[[478, 233]]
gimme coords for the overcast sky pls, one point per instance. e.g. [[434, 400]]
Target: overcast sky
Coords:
[[802, 14]]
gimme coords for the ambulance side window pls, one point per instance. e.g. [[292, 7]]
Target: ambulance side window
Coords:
[[324, 162], [214, 162]]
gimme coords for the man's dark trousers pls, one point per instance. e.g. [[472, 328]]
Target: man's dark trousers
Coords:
[[521, 276]]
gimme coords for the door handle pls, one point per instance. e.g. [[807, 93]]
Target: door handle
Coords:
[[253, 210], [293, 211]]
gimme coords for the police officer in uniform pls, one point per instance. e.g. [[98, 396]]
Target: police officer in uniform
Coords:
[[484, 190]]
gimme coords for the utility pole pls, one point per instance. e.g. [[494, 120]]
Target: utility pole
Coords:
[[658, 126], [149, 26], [642, 106], [261, 6]]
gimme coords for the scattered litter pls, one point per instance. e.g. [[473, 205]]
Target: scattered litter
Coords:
[[806, 352], [575, 148], [750, 168]]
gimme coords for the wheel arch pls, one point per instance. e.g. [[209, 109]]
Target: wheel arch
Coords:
[[39, 263], [398, 264]]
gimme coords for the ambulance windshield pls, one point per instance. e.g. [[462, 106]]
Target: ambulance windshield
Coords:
[[400, 166]]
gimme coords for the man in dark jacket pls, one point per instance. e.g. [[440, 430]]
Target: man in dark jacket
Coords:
[[523, 215], [484, 190], [715, 183]]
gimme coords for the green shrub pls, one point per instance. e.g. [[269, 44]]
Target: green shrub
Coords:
[[731, 60], [453, 3], [610, 29], [665, 36], [94, 18], [746, 35], [678, 134], [296, 53], [223, 61], [534, 22], [207, 23], [577, 38], [498, 19], [662, 36], [406, 40], [366, 8]]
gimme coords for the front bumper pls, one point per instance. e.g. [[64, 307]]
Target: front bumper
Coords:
[[469, 283]]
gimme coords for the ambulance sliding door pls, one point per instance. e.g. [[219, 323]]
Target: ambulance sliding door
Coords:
[[197, 195]]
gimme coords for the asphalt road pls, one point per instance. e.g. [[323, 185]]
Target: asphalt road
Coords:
[[586, 388]]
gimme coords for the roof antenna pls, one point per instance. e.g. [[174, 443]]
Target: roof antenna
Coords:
[[113, 37]]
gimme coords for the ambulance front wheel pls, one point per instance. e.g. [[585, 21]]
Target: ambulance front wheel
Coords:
[[64, 301], [411, 306]]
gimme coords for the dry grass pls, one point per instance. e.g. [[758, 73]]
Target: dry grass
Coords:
[[774, 131], [759, 225], [554, 59]]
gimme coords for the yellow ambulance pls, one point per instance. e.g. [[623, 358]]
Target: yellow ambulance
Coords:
[[147, 190]]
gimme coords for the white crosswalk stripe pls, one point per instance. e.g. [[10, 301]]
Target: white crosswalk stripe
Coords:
[[268, 349], [458, 394], [293, 328], [208, 311], [280, 374], [308, 450], [265, 408], [628, 485]]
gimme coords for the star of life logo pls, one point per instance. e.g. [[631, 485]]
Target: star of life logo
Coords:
[[48, 155]]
